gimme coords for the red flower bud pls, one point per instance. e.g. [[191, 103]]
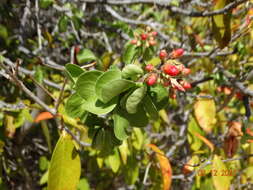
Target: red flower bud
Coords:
[[173, 95], [166, 83], [186, 85], [239, 95], [154, 33], [186, 71], [144, 36], [177, 53], [163, 54], [149, 67], [151, 79], [134, 41], [171, 70], [152, 42]]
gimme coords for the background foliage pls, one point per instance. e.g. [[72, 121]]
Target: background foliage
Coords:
[[77, 112]]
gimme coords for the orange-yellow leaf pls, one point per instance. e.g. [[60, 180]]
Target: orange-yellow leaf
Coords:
[[164, 165], [205, 140], [43, 116], [249, 132]]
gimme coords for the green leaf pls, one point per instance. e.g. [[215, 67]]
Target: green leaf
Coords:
[[135, 98], [105, 79], [97, 107], [138, 119], [65, 166], [63, 23], [75, 106], [44, 178], [129, 54], [221, 24], [154, 61], [106, 60], [132, 71], [38, 75], [3, 32], [98, 140], [120, 125], [131, 171], [85, 55], [47, 135], [73, 71], [159, 96], [43, 163], [115, 88], [114, 160], [138, 138], [105, 141], [45, 3], [83, 184], [195, 142], [85, 84], [150, 108], [221, 182], [85, 87]]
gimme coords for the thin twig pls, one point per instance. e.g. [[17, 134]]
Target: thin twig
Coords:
[[174, 9], [61, 94], [38, 24], [42, 87], [21, 85]]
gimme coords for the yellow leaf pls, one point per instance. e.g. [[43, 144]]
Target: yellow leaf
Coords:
[[221, 24], [65, 165], [164, 165], [124, 151], [10, 129], [204, 110], [221, 182]]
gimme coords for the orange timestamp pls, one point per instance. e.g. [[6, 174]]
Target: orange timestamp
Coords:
[[214, 172]]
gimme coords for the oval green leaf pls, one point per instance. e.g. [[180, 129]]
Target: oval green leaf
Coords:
[[150, 108], [135, 98], [105, 79], [132, 71], [129, 54], [115, 88], [75, 106], [65, 166], [85, 55], [120, 124], [159, 96], [73, 71], [97, 107], [85, 84]]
